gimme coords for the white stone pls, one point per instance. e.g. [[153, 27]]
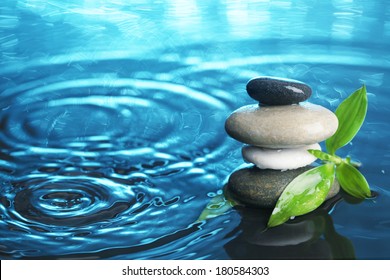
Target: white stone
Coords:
[[280, 159]]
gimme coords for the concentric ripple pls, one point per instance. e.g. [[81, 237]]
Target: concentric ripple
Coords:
[[91, 107], [74, 201], [82, 206]]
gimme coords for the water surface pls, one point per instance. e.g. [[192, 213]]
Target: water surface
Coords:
[[112, 138]]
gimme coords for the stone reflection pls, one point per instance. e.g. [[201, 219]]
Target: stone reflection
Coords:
[[312, 236]]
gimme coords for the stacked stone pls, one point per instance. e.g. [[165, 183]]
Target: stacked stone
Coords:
[[278, 132]]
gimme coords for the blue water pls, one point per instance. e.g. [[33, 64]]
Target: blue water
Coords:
[[112, 138]]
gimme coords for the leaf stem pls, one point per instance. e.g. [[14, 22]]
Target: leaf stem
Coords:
[[326, 157]]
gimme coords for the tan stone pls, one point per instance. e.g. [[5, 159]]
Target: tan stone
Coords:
[[284, 126]]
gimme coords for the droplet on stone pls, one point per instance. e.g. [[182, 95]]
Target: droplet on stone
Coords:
[[278, 91]]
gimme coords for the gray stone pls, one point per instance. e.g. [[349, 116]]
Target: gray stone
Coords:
[[287, 126], [277, 91], [262, 187]]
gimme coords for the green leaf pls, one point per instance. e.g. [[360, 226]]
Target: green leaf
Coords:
[[350, 113], [324, 156], [217, 206], [352, 181], [303, 194]]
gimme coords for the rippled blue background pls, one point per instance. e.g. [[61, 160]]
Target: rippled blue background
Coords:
[[112, 114]]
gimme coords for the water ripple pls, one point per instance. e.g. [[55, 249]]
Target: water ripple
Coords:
[[105, 156], [107, 113], [85, 207]]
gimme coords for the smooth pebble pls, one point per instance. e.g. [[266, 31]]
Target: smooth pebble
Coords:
[[287, 126], [277, 91], [279, 159]]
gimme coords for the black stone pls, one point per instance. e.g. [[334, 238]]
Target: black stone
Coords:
[[277, 91], [262, 187]]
